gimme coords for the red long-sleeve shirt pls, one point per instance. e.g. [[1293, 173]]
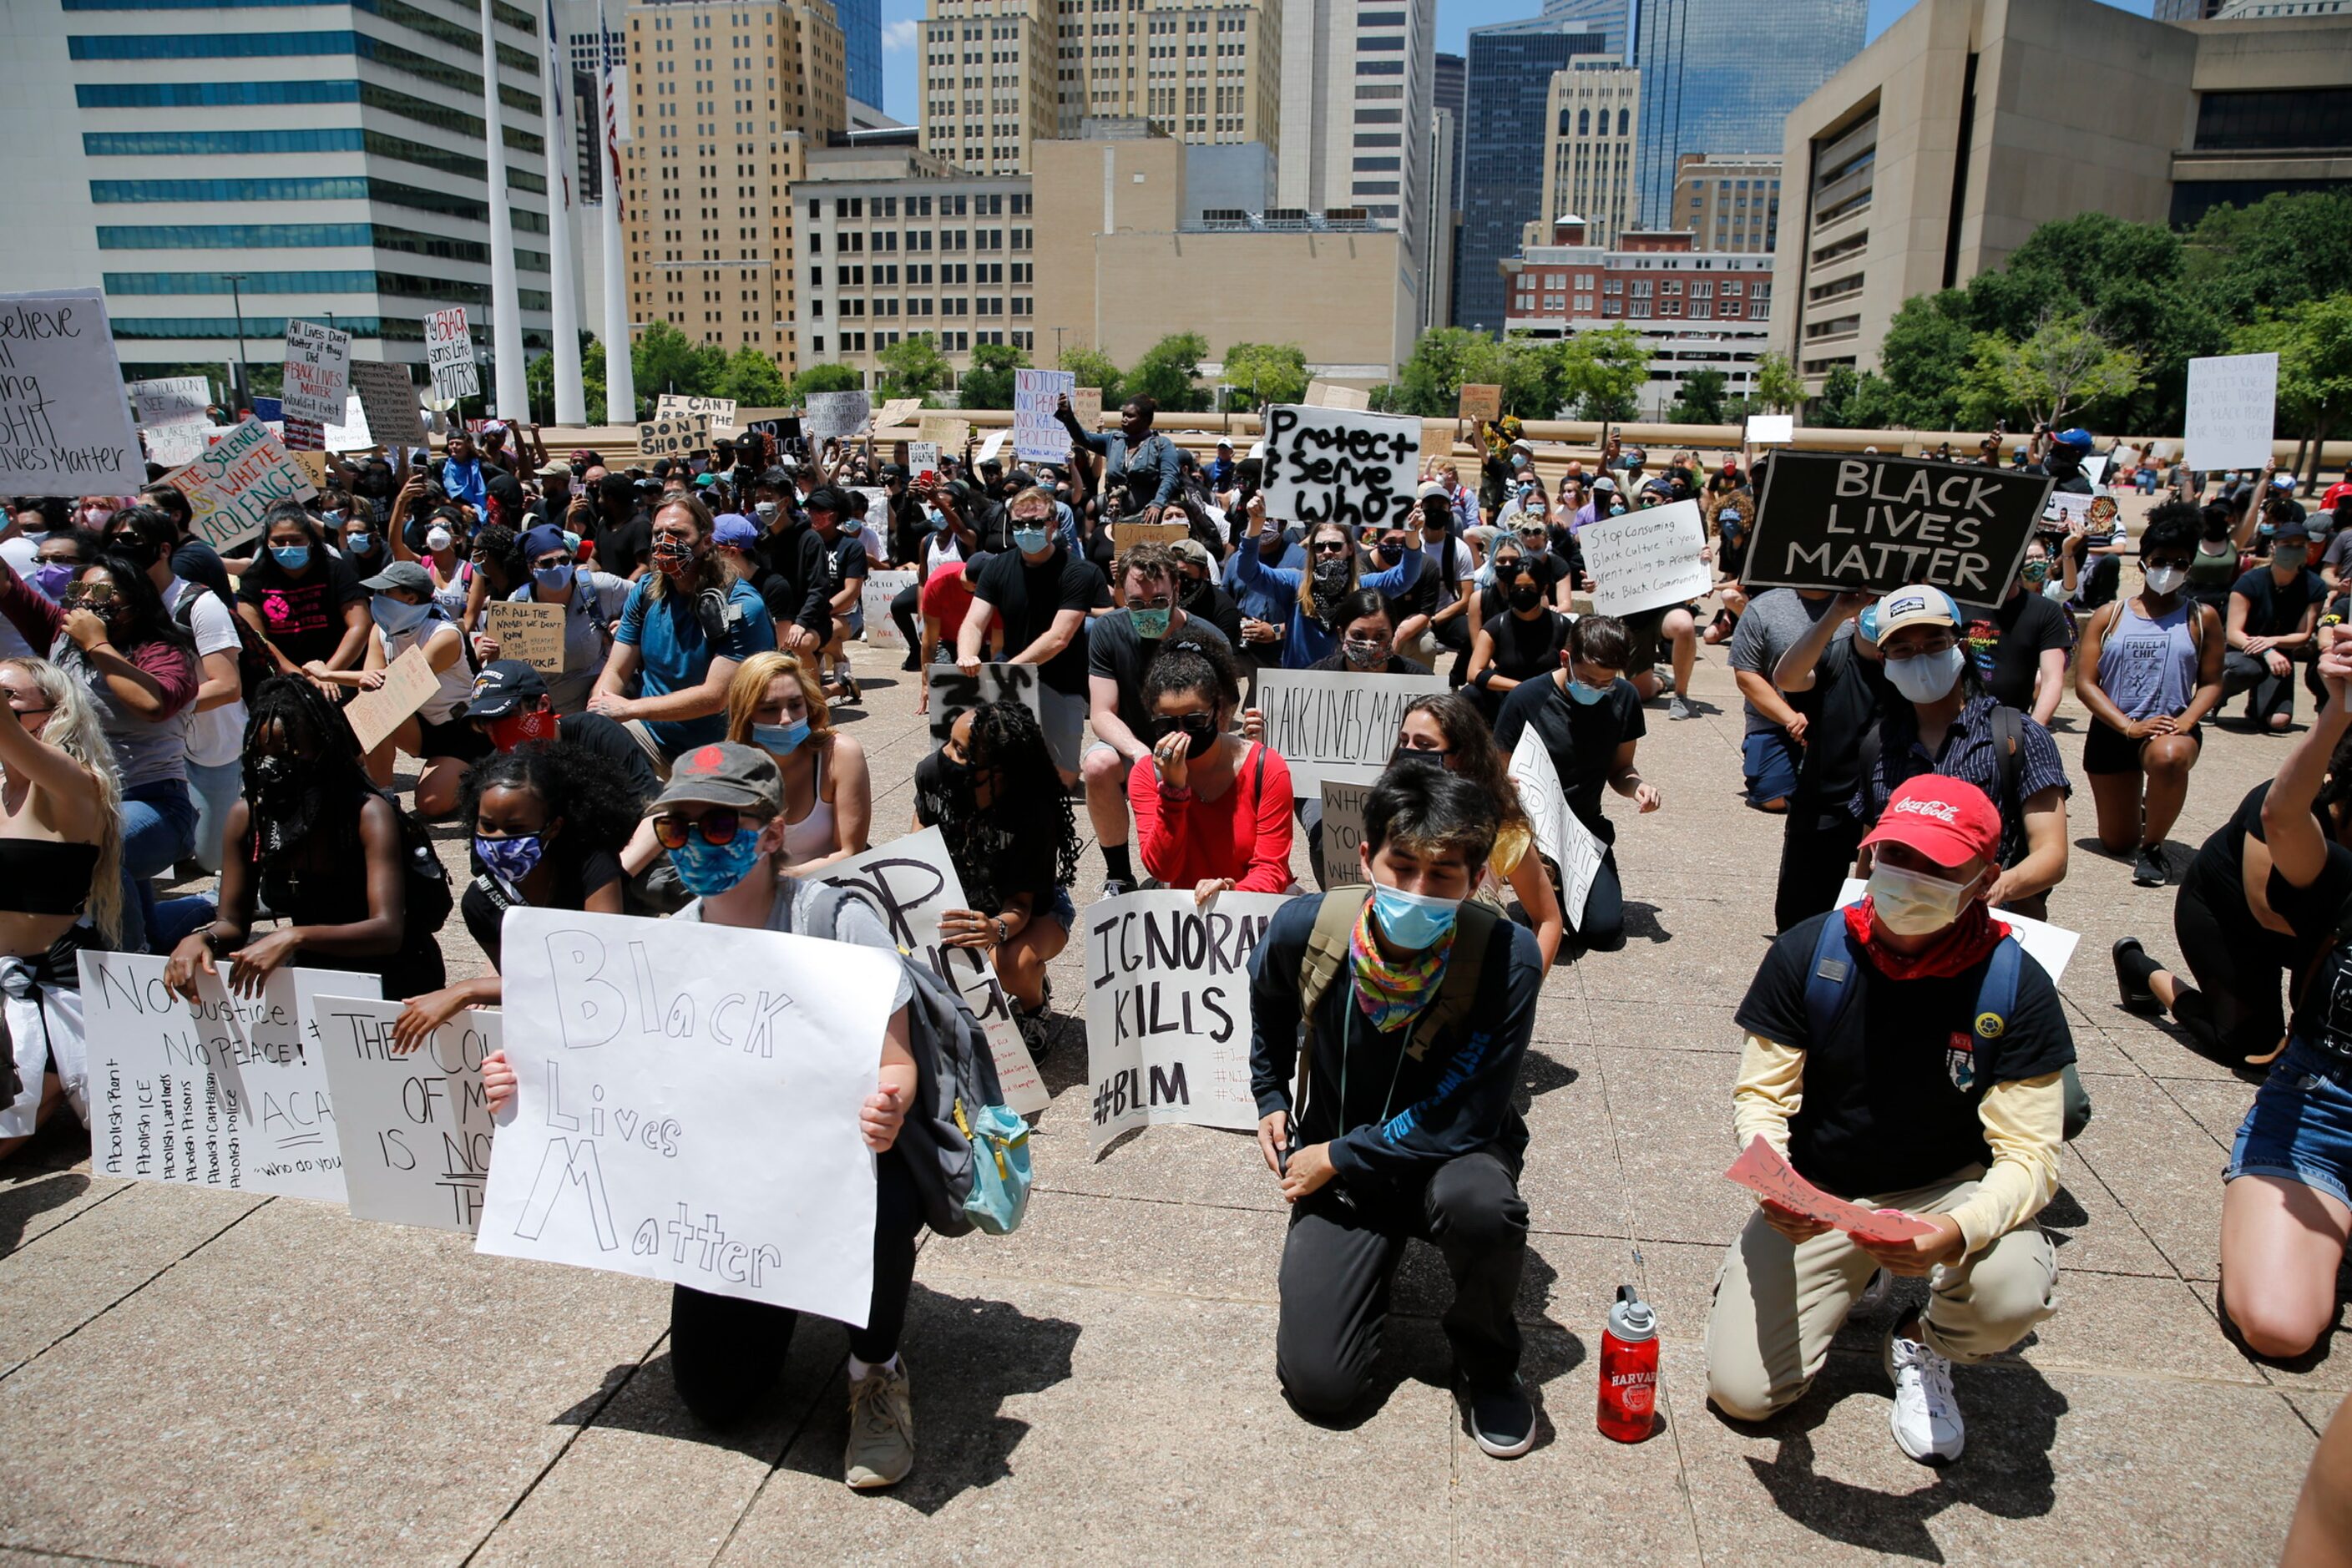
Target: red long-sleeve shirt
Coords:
[[1243, 835]]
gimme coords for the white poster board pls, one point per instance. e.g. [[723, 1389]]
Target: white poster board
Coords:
[[1772, 430], [686, 1105], [215, 1093], [912, 881], [318, 371], [2232, 401], [176, 446], [1328, 724], [415, 1130], [394, 416], [172, 400], [882, 587], [231, 484], [1641, 559], [65, 422], [719, 411], [991, 447], [1037, 436], [2047, 945], [922, 458], [1561, 835], [1325, 395], [1343, 834], [1168, 1014], [1339, 465], [352, 433], [449, 355], [836, 414]]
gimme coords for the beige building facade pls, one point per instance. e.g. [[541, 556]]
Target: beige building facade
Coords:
[[1594, 112], [1729, 204]]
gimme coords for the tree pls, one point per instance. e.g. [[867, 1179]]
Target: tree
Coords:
[[1700, 399], [665, 361], [913, 367], [751, 379], [1605, 371], [538, 381], [1779, 389], [1261, 373], [1443, 360], [1092, 367], [1923, 353], [1167, 372], [2314, 342], [824, 378], [2066, 366], [988, 382]]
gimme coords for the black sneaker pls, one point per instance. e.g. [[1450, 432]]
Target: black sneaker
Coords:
[[1036, 1037], [912, 665], [1502, 1419], [2130, 962], [2150, 871], [1114, 886]]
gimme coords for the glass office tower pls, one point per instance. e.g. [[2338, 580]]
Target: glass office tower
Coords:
[[861, 48], [1503, 136]]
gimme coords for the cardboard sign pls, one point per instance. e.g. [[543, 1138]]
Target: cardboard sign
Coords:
[[674, 436], [837, 413], [719, 413], [1168, 1014], [1772, 430], [216, 1093], [172, 400], [882, 585], [1763, 1169], [948, 435], [897, 411], [1085, 403], [2232, 401], [1038, 435], [65, 424], [530, 631], [686, 1105], [1873, 524], [1647, 558], [449, 355], [1333, 465], [231, 484], [318, 371], [1561, 837], [1343, 834], [912, 882], [409, 684], [1328, 724], [387, 394], [1125, 536], [415, 1129], [1481, 402], [1323, 394], [313, 466]]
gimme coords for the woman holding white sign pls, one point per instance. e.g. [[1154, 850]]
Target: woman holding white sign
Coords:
[[1322, 588]]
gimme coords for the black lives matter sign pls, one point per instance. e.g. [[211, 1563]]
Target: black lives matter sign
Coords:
[[1338, 464], [1829, 520]]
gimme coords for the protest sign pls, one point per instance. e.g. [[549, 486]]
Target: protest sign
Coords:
[[65, 423], [1772, 430], [318, 371], [390, 399], [2047, 945], [948, 435], [720, 412], [231, 484], [352, 435], [313, 465], [302, 435], [674, 436], [1761, 1169], [912, 881], [922, 458], [1323, 394], [1561, 837], [686, 1105], [881, 587], [954, 692], [1038, 434], [1126, 536], [2068, 508], [1332, 725], [1335, 465], [1085, 403], [172, 400], [837, 413], [1642, 560], [1871, 523], [449, 355], [1343, 833], [530, 631], [993, 446], [409, 682], [2232, 401], [1168, 1012], [215, 1093], [174, 446], [415, 1130], [897, 411], [1482, 403]]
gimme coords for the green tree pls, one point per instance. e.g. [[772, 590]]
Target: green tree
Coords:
[[2314, 342], [664, 360], [1167, 373], [1261, 373], [824, 378], [751, 379], [538, 379], [1922, 358], [1091, 367], [1605, 371], [1851, 401], [913, 367], [2272, 256], [1700, 399], [1443, 360], [988, 382], [1779, 389], [2068, 365]]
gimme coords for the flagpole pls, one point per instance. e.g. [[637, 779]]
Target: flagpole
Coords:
[[506, 316], [570, 401], [620, 383]]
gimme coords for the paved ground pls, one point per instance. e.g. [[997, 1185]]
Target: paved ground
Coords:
[[194, 1377]]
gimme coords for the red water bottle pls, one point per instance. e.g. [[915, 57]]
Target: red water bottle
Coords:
[[1629, 1369]]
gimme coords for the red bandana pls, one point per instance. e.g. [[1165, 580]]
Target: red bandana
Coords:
[[1975, 934]]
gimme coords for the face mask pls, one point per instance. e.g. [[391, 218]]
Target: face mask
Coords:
[[1928, 678], [1331, 577], [554, 579], [2038, 573], [50, 578], [781, 740], [1909, 904], [1525, 598], [708, 869], [360, 543], [1412, 919], [1195, 592], [766, 511], [1579, 693], [1616, 509], [274, 777], [2161, 580], [570, 540], [1414, 757], [670, 557], [938, 522], [1029, 540], [395, 617], [437, 537], [1150, 625], [2291, 554], [511, 859], [516, 729], [2265, 529], [1364, 653], [97, 516], [293, 557]]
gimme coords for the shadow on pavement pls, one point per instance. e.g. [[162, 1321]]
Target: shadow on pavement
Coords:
[[34, 1192]]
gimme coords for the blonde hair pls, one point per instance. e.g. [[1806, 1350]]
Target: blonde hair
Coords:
[[749, 689], [74, 729]]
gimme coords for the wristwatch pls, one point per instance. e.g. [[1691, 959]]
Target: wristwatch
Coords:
[[1004, 931]]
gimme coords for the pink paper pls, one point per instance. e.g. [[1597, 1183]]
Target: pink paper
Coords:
[[1761, 1169]]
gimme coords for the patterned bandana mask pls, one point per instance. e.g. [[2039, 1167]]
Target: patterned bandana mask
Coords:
[[1390, 994]]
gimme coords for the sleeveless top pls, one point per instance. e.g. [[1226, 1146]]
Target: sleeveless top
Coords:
[[2212, 570], [2147, 667], [813, 835]]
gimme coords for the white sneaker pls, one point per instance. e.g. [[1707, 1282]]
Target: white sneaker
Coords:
[[1925, 1419]]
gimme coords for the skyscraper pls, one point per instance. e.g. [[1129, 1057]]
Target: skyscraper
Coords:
[[1595, 109], [1356, 103], [1504, 132], [861, 48]]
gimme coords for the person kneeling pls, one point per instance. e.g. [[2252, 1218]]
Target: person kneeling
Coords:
[[1413, 1010], [1904, 1054]]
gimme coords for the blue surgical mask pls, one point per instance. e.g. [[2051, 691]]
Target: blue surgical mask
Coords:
[[396, 615], [1412, 919], [332, 517], [939, 523], [361, 542], [293, 557], [1587, 695], [553, 579], [781, 740], [1029, 540], [571, 541], [1150, 625], [708, 869], [511, 859]]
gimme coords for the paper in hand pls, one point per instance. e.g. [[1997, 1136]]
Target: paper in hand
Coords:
[[1761, 1169]]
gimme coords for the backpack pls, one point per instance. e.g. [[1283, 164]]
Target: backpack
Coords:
[[1325, 959], [2009, 749], [254, 664], [429, 898]]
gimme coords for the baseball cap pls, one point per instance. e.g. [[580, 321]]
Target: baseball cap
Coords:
[[2290, 523], [824, 497], [1432, 488], [1193, 552], [403, 574], [1225, 444], [504, 685], [735, 532], [1949, 820], [1912, 607], [724, 773], [2077, 436], [1604, 483], [551, 470]]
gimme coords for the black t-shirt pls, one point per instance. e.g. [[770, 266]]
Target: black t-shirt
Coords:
[[196, 561], [1216, 607], [1027, 598], [2010, 640], [1115, 652], [2272, 610], [844, 558], [606, 737], [2323, 1002], [1581, 737], [1527, 648], [484, 903], [1891, 1092], [991, 857], [622, 547], [1840, 709], [303, 617]]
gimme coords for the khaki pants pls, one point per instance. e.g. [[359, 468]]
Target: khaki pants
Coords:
[[1777, 1304]]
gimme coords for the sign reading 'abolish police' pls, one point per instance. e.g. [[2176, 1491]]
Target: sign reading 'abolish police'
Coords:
[[1869, 523]]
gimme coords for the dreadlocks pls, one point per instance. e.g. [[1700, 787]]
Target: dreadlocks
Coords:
[[1026, 821], [320, 764]]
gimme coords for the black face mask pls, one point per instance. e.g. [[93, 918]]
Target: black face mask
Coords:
[[1194, 592], [1331, 577], [1406, 757], [1200, 732], [1525, 598]]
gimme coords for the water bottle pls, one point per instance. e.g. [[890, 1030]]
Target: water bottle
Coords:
[[1629, 1369]]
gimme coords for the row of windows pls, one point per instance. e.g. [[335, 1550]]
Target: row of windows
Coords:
[[175, 94], [507, 16], [406, 285], [320, 139], [210, 94], [303, 235], [255, 46], [326, 188]]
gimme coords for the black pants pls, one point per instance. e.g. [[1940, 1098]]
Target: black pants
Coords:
[[1601, 927], [1342, 1250], [1816, 857], [2240, 968], [726, 1351], [2274, 694], [902, 610]]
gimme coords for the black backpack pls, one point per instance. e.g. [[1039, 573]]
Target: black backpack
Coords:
[[429, 898], [254, 664]]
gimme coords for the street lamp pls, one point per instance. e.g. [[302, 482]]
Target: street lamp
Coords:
[[244, 376]]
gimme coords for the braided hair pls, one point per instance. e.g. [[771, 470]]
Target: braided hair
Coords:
[[1030, 815], [288, 803]]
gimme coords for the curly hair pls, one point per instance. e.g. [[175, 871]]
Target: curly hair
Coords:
[[587, 790], [1029, 813]]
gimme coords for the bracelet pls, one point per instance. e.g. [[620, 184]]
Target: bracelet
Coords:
[[1004, 932], [1169, 792]]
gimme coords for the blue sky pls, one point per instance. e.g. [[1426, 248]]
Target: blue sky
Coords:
[[1455, 20]]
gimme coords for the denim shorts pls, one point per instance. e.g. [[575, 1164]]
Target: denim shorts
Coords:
[[2300, 1126], [1770, 760]]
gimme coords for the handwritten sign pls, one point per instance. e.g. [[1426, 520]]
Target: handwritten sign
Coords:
[[912, 881], [1644, 559], [719, 413], [65, 424], [318, 371], [1343, 834], [1126, 536], [837, 413], [1038, 434], [387, 394], [897, 411], [176, 445], [231, 484], [172, 400], [1561, 837], [948, 435], [415, 1129], [218, 1092], [1168, 1015], [530, 631], [1334, 465], [409, 684], [1324, 394], [352, 435], [1874, 523], [1772, 430], [313, 466], [1330, 725], [2232, 400], [449, 355], [883, 586], [1761, 1169], [1481, 402], [687, 1107], [922, 458], [673, 435]]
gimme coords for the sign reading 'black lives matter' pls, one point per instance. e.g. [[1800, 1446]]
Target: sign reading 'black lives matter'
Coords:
[[1830, 520]]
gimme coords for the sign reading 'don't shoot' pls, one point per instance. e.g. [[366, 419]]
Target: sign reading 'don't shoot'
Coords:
[[1870, 524]]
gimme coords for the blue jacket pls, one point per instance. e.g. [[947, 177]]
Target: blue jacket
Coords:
[[1306, 640]]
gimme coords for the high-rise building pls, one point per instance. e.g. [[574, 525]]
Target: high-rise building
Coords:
[[1729, 203], [1504, 132], [1441, 221], [1357, 92], [861, 48], [1716, 74], [1595, 109], [1448, 82], [206, 167], [725, 95], [2186, 10]]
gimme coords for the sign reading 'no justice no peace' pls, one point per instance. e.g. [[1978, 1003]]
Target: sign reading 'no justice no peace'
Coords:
[[1873, 525]]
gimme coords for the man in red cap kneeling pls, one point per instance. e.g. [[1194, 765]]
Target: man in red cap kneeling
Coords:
[[1904, 1054]]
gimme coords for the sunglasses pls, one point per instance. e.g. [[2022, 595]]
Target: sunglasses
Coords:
[[1332, 547], [717, 828], [90, 593], [1189, 723]]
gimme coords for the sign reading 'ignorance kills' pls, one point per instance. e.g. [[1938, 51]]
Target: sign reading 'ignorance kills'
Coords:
[[1873, 525]]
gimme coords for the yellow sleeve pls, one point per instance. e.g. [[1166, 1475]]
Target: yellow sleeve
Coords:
[[1771, 1086], [2024, 1122]]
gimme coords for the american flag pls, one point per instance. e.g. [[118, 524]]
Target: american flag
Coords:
[[611, 80]]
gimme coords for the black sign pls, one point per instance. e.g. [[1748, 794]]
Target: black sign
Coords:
[[1833, 520]]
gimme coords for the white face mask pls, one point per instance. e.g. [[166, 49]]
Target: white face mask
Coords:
[[436, 539], [1910, 904], [1928, 676], [2164, 580]]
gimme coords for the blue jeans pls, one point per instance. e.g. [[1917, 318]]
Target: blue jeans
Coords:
[[174, 918], [216, 790], [158, 829], [2299, 1127]]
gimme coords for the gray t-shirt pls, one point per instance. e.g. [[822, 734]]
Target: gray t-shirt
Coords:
[[858, 923], [1775, 621]]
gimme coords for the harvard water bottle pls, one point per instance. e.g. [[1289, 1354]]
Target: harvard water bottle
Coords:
[[1629, 1369]]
